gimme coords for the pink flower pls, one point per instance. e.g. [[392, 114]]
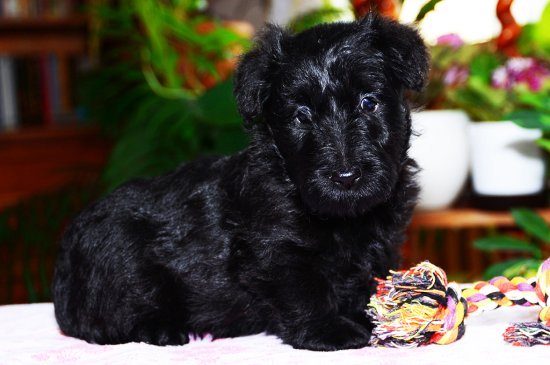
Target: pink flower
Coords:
[[455, 75], [452, 40], [500, 78], [520, 71]]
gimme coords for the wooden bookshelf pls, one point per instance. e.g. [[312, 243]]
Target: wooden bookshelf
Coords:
[[40, 160], [46, 154]]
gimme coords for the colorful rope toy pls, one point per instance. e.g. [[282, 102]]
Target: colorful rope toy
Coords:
[[418, 307]]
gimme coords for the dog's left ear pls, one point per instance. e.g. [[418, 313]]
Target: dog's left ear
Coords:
[[403, 49]]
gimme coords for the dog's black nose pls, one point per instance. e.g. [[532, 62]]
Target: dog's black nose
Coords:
[[346, 178]]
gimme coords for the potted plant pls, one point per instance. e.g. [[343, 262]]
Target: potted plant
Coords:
[[440, 143], [506, 160], [164, 67], [535, 41], [503, 89]]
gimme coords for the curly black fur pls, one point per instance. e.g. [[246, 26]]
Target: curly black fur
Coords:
[[278, 237]]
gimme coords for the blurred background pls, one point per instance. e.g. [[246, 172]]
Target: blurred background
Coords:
[[96, 92]]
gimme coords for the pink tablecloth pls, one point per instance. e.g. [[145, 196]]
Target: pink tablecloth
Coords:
[[29, 335]]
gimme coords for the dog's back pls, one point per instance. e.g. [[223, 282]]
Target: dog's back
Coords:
[[151, 244]]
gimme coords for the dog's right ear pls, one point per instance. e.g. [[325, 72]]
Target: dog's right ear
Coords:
[[253, 74], [404, 50]]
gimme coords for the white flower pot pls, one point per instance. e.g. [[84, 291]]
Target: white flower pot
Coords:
[[505, 159], [441, 151]]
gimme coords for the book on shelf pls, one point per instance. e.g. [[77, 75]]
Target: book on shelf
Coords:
[[37, 88], [46, 80], [8, 95], [36, 91], [36, 8], [30, 104]]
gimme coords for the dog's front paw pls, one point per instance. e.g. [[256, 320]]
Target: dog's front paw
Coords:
[[160, 336], [337, 334]]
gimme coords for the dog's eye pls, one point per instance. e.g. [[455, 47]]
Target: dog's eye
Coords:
[[303, 116], [368, 104]]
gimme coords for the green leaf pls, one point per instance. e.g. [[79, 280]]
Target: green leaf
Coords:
[[217, 105], [527, 268], [482, 66], [476, 103], [531, 119], [536, 100], [532, 223], [505, 243], [511, 268], [542, 29], [429, 6], [227, 140], [544, 143], [315, 17]]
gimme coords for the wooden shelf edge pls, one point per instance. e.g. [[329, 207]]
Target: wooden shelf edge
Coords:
[[53, 132], [21, 36], [466, 218], [26, 24]]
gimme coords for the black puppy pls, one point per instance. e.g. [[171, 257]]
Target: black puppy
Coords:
[[284, 237]]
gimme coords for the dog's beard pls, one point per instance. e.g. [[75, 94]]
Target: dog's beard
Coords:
[[323, 197]]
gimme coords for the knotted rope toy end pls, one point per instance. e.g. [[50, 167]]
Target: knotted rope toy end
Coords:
[[535, 333], [417, 307]]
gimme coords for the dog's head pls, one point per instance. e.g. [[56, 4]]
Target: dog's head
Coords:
[[332, 100]]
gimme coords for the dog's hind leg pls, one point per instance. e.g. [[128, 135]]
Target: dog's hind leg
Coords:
[[109, 289]]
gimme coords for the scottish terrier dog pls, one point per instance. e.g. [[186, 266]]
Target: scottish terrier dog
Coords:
[[285, 237]]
